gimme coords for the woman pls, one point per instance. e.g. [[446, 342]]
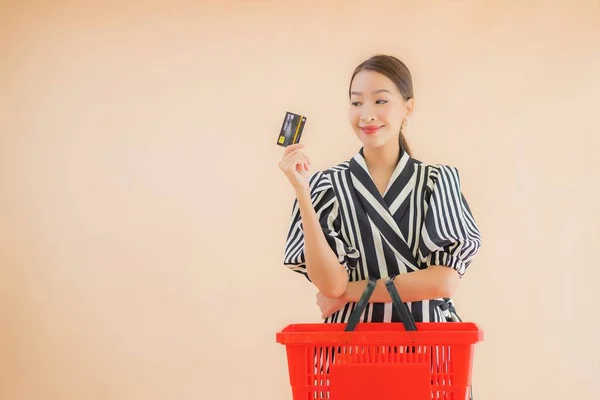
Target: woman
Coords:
[[380, 214]]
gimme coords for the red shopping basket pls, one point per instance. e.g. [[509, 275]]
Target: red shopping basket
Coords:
[[380, 361]]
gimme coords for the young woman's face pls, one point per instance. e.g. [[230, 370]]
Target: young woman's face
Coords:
[[377, 109]]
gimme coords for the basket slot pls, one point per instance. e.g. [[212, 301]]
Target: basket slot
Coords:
[[321, 359], [441, 375], [347, 361]]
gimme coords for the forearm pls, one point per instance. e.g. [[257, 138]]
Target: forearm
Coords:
[[322, 265], [431, 283]]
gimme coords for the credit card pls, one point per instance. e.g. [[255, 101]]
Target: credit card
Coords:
[[291, 129]]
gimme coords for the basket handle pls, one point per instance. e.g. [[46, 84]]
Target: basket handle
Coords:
[[361, 305], [405, 315]]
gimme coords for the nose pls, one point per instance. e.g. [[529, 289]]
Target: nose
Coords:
[[366, 119], [367, 113]]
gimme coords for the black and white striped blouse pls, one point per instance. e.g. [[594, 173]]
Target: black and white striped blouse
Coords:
[[422, 219]]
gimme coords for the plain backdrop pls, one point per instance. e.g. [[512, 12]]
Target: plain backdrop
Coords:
[[143, 214]]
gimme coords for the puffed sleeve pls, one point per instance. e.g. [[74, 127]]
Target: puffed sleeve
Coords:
[[449, 236], [326, 206]]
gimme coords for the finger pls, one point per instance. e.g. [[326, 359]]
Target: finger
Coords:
[[293, 147], [298, 152], [291, 165], [303, 166], [306, 156], [293, 162], [289, 162], [292, 155]]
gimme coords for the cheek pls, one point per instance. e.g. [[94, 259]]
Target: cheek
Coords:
[[354, 115], [390, 116], [386, 114]]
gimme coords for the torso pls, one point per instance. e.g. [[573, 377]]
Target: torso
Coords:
[[380, 251], [377, 223]]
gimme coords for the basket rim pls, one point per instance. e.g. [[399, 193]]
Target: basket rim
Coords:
[[427, 333]]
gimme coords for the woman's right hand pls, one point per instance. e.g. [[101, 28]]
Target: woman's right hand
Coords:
[[295, 164]]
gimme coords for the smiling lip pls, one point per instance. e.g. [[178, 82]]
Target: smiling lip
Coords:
[[370, 130]]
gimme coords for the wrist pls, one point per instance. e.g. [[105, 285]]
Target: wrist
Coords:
[[350, 293]]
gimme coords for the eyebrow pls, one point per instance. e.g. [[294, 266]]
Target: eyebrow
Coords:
[[374, 92]]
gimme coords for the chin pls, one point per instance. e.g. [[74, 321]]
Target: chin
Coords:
[[373, 141]]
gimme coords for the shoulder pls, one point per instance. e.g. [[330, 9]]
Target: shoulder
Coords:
[[337, 169], [439, 174], [323, 179], [446, 173]]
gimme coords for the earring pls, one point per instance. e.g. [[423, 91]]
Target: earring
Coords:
[[405, 123]]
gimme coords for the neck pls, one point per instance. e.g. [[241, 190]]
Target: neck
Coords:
[[382, 158]]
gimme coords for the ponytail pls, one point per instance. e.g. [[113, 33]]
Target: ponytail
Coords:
[[404, 144]]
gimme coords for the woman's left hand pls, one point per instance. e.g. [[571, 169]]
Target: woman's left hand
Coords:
[[328, 305]]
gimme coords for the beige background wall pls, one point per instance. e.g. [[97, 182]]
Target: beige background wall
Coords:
[[142, 213]]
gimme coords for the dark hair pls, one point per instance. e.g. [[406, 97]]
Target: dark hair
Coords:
[[396, 71]]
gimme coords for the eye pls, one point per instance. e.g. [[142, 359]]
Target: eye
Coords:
[[355, 103], [381, 101]]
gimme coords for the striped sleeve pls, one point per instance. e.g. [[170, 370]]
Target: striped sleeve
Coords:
[[449, 236], [327, 208]]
